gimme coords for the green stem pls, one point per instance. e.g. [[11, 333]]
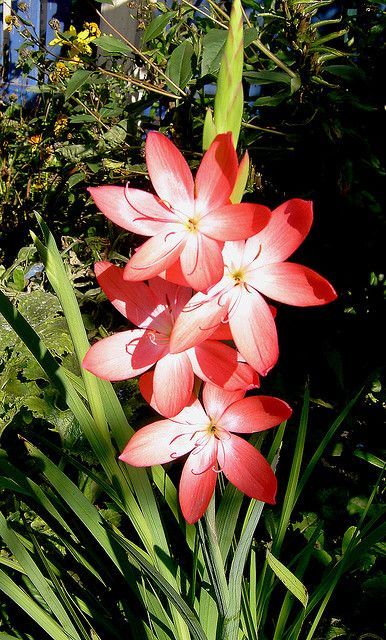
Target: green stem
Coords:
[[275, 59]]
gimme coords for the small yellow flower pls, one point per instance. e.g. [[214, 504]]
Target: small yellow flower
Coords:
[[61, 123], [11, 21], [74, 59], [78, 43], [64, 38], [38, 185], [79, 46], [57, 40], [61, 71], [93, 29], [35, 140]]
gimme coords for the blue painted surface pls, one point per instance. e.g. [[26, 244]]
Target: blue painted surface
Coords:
[[39, 13], [58, 10], [17, 84], [1, 32]]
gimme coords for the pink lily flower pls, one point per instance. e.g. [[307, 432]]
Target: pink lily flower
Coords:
[[254, 267], [153, 308], [189, 220], [206, 433]]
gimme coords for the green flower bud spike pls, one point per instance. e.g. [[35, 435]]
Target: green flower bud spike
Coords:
[[229, 100]]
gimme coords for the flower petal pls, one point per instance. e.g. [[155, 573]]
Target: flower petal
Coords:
[[154, 256], [158, 443], [288, 227], [149, 208], [292, 284], [222, 332], [170, 296], [216, 174], [233, 253], [134, 300], [174, 274], [217, 400], [173, 383], [123, 355], [201, 261], [197, 321], [112, 202], [218, 363], [169, 173], [254, 414], [235, 221], [247, 469], [145, 384], [197, 486], [254, 332], [192, 414]]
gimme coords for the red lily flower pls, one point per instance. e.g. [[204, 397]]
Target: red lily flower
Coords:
[[153, 308], [207, 434], [253, 268], [189, 220]]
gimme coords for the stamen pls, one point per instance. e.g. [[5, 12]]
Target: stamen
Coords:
[[129, 344], [258, 266], [199, 473], [196, 256], [213, 326], [222, 294], [144, 216], [232, 310], [157, 338], [258, 253], [223, 453]]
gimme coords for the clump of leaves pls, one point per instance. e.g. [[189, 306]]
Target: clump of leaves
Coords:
[[24, 387]]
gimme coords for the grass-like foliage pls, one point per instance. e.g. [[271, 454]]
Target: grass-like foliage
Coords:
[[94, 562]]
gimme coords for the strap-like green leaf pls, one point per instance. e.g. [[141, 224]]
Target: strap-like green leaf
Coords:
[[173, 596], [289, 580], [31, 608]]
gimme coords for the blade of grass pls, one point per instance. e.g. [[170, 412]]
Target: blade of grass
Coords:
[[325, 441], [267, 577], [41, 500], [100, 443], [231, 622], [30, 488], [31, 608], [289, 497], [37, 578], [173, 596], [66, 599], [227, 518], [88, 515], [101, 397], [293, 584], [289, 599], [350, 550], [62, 286], [106, 409], [92, 520]]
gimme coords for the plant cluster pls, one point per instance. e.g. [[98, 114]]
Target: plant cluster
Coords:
[[93, 545]]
